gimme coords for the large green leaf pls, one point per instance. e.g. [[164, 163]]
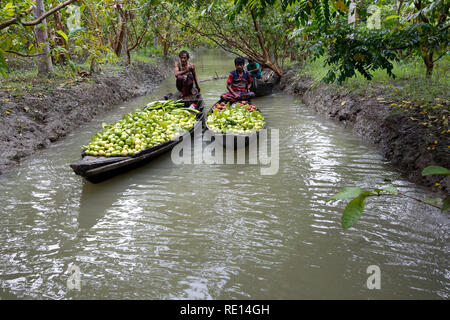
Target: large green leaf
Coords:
[[353, 211], [3, 65], [446, 205], [391, 17], [391, 190], [62, 34], [434, 201], [347, 193], [435, 170]]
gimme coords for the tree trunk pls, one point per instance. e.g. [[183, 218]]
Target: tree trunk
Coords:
[[294, 55], [165, 46], [45, 66], [124, 48], [352, 13], [260, 36], [165, 49], [275, 68], [59, 39], [399, 4], [428, 59], [122, 40], [293, 51], [266, 55], [94, 67]]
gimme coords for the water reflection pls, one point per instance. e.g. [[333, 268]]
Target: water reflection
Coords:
[[95, 202]]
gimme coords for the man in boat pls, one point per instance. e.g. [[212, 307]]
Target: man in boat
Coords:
[[238, 83], [254, 68], [186, 75]]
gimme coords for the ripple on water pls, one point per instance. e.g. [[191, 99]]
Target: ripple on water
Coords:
[[220, 231]]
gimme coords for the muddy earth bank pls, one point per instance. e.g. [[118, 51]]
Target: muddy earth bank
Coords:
[[36, 115], [401, 141]]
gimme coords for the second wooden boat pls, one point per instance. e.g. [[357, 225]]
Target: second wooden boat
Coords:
[[231, 139]]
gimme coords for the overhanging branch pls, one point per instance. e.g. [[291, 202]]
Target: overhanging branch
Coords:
[[36, 21]]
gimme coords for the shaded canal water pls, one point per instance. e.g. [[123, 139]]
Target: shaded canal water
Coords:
[[167, 231]]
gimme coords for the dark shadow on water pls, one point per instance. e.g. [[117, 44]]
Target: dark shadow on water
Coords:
[[97, 199]]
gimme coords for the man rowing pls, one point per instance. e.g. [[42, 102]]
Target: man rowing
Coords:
[[186, 75], [238, 83]]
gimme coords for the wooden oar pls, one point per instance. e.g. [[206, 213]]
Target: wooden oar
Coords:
[[213, 78]]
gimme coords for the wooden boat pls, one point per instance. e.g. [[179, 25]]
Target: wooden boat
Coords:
[[97, 169], [231, 139], [261, 88]]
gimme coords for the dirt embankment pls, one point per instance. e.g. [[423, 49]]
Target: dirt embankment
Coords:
[[41, 114], [409, 146]]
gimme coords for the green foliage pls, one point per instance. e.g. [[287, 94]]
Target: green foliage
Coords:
[[446, 205], [356, 51], [353, 211], [3, 64], [355, 208], [434, 201], [347, 193], [256, 29], [430, 170], [170, 35], [422, 31], [314, 27], [60, 32], [391, 190]]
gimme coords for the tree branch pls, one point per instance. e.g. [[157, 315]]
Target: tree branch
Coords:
[[38, 20], [419, 200], [24, 55], [14, 20], [260, 36], [445, 52]]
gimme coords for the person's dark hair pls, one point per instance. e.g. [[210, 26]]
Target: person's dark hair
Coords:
[[250, 60], [239, 60], [184, 52]]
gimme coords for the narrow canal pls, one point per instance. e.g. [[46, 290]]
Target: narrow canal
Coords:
[[199, 231]]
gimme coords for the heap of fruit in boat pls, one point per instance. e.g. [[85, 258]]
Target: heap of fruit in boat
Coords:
[[160, 121], [245, 104], [240, 117]]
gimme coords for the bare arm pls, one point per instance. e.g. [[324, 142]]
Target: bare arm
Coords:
[[177, 70], [231, 90], [256, 70], [249, 83], [195, 77]]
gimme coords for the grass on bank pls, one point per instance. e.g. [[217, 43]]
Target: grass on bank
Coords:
[[410, 81], [22, 80], [22, 73], [424, 101], [145, 56], [22, 76]]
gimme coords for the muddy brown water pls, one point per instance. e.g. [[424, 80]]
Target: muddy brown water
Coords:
[[210, 231]]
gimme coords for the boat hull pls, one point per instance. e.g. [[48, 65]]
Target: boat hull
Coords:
[[261, 88], [98, 169], [231, 140]]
